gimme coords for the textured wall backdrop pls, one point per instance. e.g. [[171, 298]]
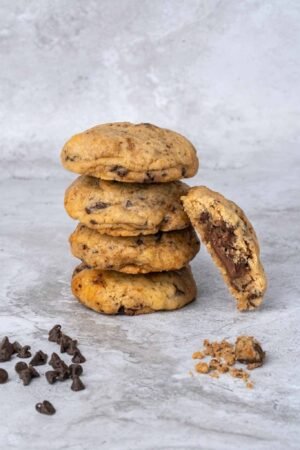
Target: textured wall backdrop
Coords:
[[225, 73]]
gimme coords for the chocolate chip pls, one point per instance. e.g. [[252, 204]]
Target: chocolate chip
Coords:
[[54, 360], [17, 347], [77, 384], [158, 236], [24, 352], [72, 347], [75, 370], [62, 371], [20, 366], [26, 373], [61, 368], [71, 158], [150, 177], [25, 376], [120, 170], [5, 354], [93, 222], [33, 372], [96, 207], [128, 204], [178, 291], [55, 334], [51, 376], [6, 350], [65, 342], [78, 358], [3, 376], [204, 217], [45, 408], [183, 171], [39, 359], [121, 311], [139, 241]]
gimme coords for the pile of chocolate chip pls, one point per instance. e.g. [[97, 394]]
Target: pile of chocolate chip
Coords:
[[60, 370]]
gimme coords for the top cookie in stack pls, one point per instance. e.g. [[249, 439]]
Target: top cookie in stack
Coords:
[[122, 151], [130, 224]]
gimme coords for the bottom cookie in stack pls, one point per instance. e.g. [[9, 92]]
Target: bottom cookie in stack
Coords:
[[111, 292]]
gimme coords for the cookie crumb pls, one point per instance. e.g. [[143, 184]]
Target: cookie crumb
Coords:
[[198, 355], [214, 374], [225, 355], [202, 367]]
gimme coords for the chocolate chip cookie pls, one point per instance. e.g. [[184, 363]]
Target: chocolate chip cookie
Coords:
[[126, 209], [142, 254], [111, 292], [141, 153], [232, 243]]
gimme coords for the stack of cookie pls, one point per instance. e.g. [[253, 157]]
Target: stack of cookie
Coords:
[[134, 239]]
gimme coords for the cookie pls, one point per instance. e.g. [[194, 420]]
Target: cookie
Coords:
[[126, 209], [142, 254], [122, 151], [111, 292], [232, 243]]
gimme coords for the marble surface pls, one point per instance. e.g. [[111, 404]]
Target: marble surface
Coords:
[[226, 74], [140, 393]]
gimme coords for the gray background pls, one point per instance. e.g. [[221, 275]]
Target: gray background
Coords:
[[225, 74]]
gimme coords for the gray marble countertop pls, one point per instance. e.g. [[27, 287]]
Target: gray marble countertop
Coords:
[[140, 393]]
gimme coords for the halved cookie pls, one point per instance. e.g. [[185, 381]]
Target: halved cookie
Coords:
[[111, 292], [126, 209], [143, 254], [231, 241], [141, 153]]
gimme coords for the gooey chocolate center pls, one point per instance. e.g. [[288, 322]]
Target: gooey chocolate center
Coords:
[[222, 239]]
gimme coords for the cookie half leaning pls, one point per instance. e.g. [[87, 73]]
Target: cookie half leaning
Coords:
[[231, 241], [126, 209], [123, 151], [111, 292], [142, 254]]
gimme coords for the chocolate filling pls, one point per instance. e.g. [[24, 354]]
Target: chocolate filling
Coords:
[[222, 238]]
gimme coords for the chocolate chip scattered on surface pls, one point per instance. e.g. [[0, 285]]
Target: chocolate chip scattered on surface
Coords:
[[78, 358], [54, 334], [45, 408], [77, 384], [6, 349], [51, 376], [26, 373], [3, 376], [20, 366], [75, 369], [24, 352], [39, 359]]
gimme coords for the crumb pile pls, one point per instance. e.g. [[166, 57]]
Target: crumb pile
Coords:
[[224, 355]]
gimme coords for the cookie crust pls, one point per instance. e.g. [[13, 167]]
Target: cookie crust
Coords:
[[124, 209], [132, 153], [232, 243], [111, 292]]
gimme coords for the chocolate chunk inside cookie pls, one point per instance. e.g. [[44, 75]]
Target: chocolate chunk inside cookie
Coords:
[[222, 238]]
